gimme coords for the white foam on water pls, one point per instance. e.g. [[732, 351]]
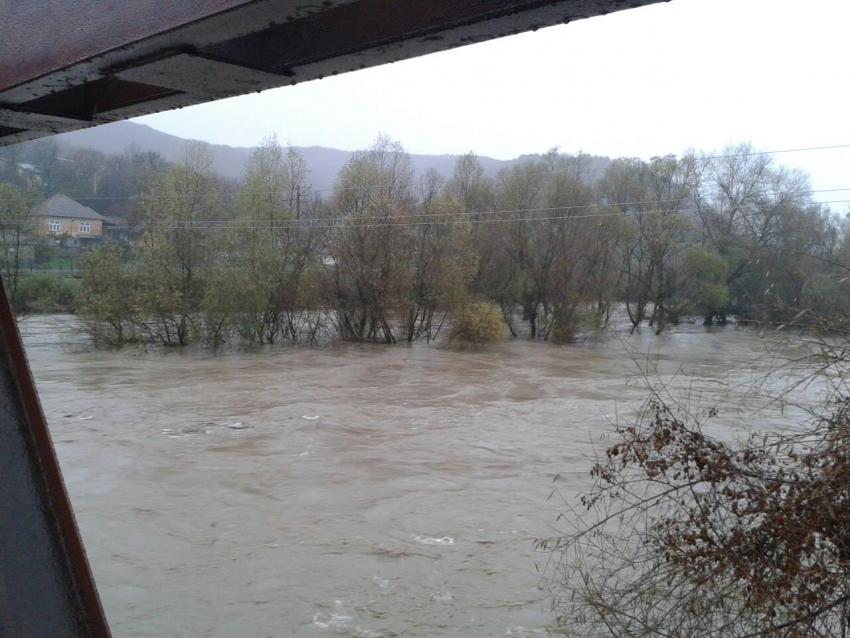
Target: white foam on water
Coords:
[[336, 620], [427, 540], [310, 418], [382, 583], [519, 630]]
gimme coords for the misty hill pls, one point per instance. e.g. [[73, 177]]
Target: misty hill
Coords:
[[229, 161]]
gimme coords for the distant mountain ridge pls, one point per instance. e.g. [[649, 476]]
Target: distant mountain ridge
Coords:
[[230, 161]]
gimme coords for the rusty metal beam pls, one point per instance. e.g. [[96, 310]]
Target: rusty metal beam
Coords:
[[41, 37], [46, 586], [70, 65]]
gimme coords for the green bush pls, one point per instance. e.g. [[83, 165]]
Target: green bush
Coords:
[[828, 297], [705, 290], [566, 321], [43, 294], [478, 324]]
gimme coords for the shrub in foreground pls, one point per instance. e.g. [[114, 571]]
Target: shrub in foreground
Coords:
[[685, 535]]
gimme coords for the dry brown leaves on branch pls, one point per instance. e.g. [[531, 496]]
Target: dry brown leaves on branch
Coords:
[[684, 535]]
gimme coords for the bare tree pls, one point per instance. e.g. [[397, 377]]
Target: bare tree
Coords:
[[372, 196]]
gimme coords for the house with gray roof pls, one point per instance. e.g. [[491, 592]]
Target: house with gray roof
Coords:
[[62, 217]]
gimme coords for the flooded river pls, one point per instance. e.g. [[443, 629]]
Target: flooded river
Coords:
[[353, 490]]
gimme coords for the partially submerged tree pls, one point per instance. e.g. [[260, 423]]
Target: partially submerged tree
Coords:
[[702, 288], [175, 254], [439, 268], [108, 305], [372, 201]]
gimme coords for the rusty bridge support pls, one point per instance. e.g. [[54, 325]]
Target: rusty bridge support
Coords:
[[46, 587]]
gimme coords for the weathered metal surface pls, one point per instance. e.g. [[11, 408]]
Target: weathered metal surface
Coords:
[[79, 59], [70, 65], [188, 73], [49, 123], [43, 36], [46, 588]]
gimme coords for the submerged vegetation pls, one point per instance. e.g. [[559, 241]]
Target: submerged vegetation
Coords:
[[47, 294], [478, 324], [554, 242]]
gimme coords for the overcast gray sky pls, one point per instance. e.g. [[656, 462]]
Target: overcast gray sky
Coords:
[[661, 79]]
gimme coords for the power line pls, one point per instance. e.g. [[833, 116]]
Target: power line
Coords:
[[346, 223], [321, 223], [804, 149], [250, 223], [366, 189]]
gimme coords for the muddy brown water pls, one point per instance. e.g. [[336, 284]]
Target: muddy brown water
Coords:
[[356, 490]]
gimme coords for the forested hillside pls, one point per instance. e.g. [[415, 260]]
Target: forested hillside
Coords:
[[230, 162]]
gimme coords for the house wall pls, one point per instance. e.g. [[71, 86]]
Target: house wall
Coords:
[[68, 226]]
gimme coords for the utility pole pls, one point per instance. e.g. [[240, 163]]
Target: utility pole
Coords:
[[298, 203]]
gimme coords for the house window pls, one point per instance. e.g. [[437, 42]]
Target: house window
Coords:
[[85, 227], [53, 226]]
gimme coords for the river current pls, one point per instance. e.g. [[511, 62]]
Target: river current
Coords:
[[359, 490]]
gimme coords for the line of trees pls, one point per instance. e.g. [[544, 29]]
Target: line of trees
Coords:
[[389, 256]]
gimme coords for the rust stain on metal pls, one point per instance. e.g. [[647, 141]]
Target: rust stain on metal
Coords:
[[51, 34], [102, 60]]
